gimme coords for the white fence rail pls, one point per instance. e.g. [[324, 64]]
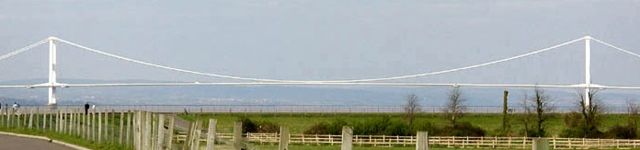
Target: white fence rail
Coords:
[[439, 141]]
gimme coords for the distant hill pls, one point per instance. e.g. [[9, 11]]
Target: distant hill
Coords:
[[283, 95]]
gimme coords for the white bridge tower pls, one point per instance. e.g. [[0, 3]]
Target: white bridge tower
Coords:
[[587, 71], [52, 72]]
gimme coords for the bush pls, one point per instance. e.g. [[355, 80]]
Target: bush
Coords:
[[249, 125], [576, 127], [425, 126], [622, 132], [318, 128], [268, 127], [397, 128], [463, 129], [386, 126], [334, 128], [573, 119], [372, 127]]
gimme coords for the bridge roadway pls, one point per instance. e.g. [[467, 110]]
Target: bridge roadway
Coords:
[[8, 142]]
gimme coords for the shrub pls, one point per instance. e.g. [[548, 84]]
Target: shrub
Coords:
[[268, 127], [318, 128], [334, 128], [582, 132], [425, 126], [249, 125], [397, 128], [372, 127], [622, 132], [573, 119], [463, 129], [576, 128]]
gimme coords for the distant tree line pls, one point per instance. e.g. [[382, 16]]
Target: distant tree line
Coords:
[[538, 110]]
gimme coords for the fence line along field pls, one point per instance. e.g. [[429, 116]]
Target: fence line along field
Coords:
[[110, 129]]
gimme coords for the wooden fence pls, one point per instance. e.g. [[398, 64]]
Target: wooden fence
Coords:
[[127, 129], [100, 126], [439, 141], [146, 130]]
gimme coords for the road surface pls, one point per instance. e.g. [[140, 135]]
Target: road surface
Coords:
[[8, 142]]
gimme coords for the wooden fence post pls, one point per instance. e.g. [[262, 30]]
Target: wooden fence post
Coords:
[[44, 121], [189, 142], [106, 126], [540, 144], [78, 120], [196, 136], [63, 120], [18, 121], [211, 134], [72, 122], [6, 117], [284, 139], [137, 130], [422, 141], [30, 119], [237, 135], [99, 126], [159, 143], [129, 127], [52, 118], [146, 139], [67, 119], [92, 117], [169, 142], [113, 129], [154, 131], [120, 140], [2, 117], [347, 138]]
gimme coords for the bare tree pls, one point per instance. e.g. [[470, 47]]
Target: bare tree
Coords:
[[455, 106], [633, 110], [411, 108], [542, 105], [528, 113], [591, 114]]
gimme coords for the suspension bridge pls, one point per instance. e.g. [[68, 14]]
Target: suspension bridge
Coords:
[[53, 85]]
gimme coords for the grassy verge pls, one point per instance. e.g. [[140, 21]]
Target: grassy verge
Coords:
[[68, 139]]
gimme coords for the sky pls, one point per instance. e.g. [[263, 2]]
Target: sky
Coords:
[[324, 40]]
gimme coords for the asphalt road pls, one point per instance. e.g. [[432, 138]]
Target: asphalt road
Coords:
[[8, 142]]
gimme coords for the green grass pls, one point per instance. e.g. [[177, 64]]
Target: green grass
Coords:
[[66, 138], [298, 122], [72, 139]]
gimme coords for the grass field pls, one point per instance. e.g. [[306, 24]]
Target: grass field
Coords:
[[298, 122]]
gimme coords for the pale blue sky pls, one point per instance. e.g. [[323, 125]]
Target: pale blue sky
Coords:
[[327, 39]]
